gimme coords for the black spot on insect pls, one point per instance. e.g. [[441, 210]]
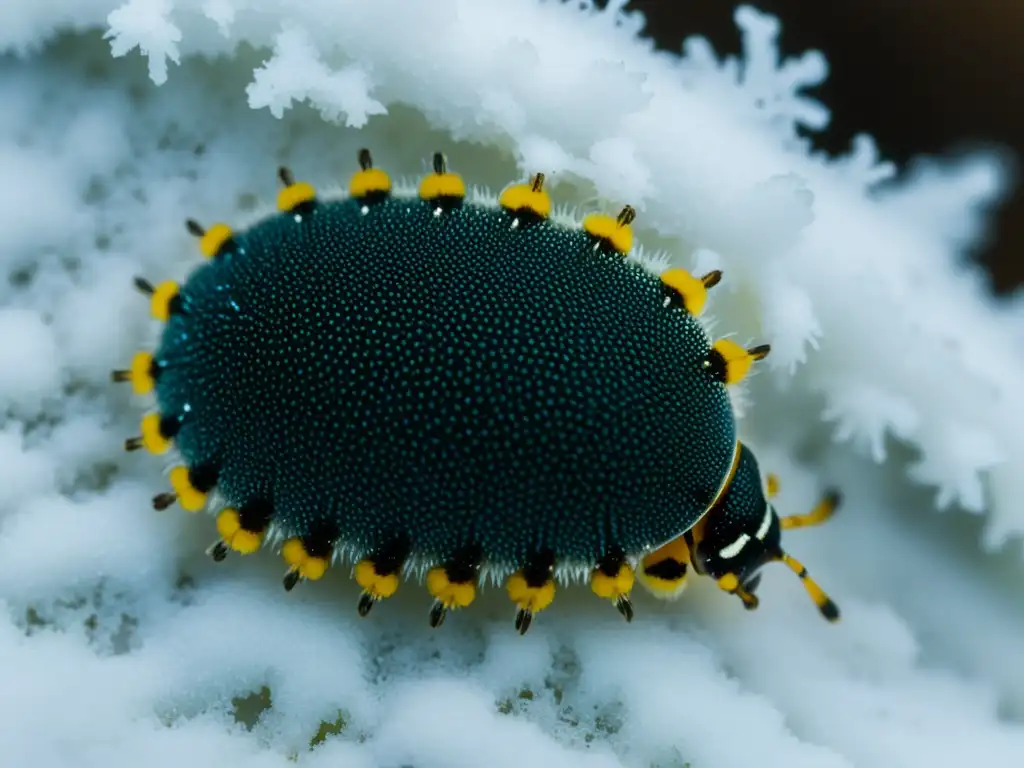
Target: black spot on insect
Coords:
[[667, 569]]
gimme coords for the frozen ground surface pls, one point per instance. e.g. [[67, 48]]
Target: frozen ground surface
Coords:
[[893, 377]]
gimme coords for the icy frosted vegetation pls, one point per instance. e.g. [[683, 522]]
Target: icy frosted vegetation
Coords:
[[893, 375]]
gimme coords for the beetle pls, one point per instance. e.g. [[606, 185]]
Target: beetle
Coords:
[[434, 387]]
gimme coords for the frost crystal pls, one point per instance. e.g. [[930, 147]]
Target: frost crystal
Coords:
[[894, 376], [144, 24], [296, 69]]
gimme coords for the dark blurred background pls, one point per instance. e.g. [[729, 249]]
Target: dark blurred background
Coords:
[[921, 76]]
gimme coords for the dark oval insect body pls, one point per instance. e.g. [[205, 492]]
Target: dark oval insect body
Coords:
[[429, 386]]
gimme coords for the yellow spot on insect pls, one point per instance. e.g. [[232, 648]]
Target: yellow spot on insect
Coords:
[[663, 589], [441, 184], [153, 439], [229, 526], [675, 550], [139, 373], [308, 567], [375, 585], [451, 594], [530, 198], [693, 291], [527, 598], [664, 571], [190, 499], [737, 359], [729, 582], [294, 195], [616, 232], [772, 481], [213, 239], [160, 301], [368, 181], [612, 587]]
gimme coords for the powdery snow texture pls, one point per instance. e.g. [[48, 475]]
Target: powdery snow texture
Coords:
[[123, 644]]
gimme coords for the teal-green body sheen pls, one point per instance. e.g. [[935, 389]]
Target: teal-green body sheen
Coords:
[[385, 372]]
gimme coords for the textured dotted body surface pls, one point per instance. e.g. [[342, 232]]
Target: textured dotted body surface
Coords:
[[382, 371]]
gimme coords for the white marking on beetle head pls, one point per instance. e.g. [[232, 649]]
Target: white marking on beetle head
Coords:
[[731, 550], [766, 522]]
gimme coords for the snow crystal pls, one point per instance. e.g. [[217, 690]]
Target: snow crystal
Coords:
[[295, 69], [894, 376], [30, 361]]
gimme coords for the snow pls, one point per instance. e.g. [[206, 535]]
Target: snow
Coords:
[[893, 376]]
